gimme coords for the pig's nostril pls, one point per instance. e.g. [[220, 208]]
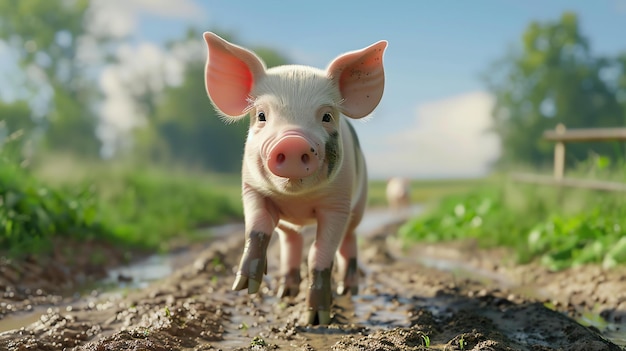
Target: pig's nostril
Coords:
[[280, 158], [305, 158]]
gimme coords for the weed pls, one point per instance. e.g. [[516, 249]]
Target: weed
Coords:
[[426, 339], [258, 341], [168, 314]]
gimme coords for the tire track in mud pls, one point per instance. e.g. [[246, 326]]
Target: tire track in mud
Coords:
[[401, 303]]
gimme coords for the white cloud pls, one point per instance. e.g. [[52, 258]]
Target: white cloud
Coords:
[[142, 69], [449, 138], [120, 17]]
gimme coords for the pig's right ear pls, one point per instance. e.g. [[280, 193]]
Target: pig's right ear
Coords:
[[230, 74]]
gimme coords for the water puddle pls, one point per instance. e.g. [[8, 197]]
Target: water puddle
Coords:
[[616, 332], [138, 274], [142, 273], [378, 217], [19, 320]]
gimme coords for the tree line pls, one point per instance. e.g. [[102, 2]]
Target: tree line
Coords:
[[550, 76]]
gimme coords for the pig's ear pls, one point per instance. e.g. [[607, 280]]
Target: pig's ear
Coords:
[[230, 74], [361, 79]]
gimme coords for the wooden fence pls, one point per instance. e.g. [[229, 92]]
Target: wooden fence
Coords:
[[562, 136]]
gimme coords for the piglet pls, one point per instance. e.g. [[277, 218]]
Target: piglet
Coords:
[[398, 193], [302, 162]]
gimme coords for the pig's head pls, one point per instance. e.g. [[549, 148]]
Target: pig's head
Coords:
[[294, 142]]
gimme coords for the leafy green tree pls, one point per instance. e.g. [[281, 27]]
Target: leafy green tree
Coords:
[[46, 36], [552, 78], [16, 126], [185, 128]]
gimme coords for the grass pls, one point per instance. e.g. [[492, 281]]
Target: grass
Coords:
[[31, 213], [559, 227], [145, 207]]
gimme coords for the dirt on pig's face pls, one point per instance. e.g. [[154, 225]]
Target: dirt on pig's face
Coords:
[[293, 145]]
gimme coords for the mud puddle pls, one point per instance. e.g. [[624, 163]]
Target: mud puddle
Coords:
[[402, 305]]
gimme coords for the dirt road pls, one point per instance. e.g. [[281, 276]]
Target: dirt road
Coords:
[[431, 297]]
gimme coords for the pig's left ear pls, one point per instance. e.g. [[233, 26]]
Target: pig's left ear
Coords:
[[361, 79], [231, 72]]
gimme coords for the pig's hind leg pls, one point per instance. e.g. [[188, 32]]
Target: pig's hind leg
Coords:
[[346, 257], [290, 260], [347, 265]]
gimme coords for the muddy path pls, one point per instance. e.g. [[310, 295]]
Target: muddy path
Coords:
[[429, 297]]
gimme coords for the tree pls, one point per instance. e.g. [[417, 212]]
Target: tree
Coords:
[[553, 78], [47, 35], [16, 126], [185, 128]]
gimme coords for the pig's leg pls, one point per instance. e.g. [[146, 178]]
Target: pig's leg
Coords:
[[290, 260], [347, 262], [260, 220], [330, 227], [347, 253]]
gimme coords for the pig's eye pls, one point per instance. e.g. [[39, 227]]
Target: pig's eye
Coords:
[[261, 116], [327, 117]]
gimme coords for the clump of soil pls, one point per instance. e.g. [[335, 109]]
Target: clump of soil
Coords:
[[405, 303]]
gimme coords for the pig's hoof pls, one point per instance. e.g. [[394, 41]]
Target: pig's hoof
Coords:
[[320, 296], [242, 282], [350, 281], [343, 290], [319, 317], [289, 284], [253, 263]]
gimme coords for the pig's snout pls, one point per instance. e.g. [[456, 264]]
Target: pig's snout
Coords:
[[293, 157]]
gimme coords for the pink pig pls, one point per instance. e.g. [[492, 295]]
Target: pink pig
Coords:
[[302, 162]]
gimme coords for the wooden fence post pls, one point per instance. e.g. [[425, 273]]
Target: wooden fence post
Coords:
[[559, 154]]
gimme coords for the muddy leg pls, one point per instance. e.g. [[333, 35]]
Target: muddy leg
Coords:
[[320, 297], [253, 262], [290, 261], [330, 225]]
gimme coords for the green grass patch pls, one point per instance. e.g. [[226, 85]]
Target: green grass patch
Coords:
[[560, 227], [145, 208], [31, 213]]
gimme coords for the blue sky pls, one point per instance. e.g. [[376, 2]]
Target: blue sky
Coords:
[[430, 121]]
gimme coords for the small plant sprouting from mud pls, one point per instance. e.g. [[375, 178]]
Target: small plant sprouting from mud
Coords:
[[244, 326], [462, 343], [218, 265], [258, 341], [168, 314], [426, 339]]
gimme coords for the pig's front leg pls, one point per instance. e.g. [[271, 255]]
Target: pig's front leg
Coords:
[[330, 228], [260, 219]]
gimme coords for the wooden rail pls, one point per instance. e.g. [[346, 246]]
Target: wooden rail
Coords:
[[561, 135]]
